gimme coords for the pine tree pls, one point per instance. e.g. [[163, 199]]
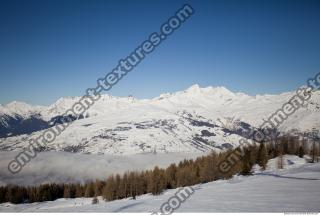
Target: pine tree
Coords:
[[246, 164], [45, 193], [16, 194], [123, 191], [254, 153], [284, 143], [314, 153], [34, 194], [157, 175], [157, 181], [143, 183], [280, 159], [110, 191], [98, 187], [133, 184], [3, 192], [262, 158], [90, 190], [67, 192], [292, 145], [171, 176], [79, 191], [301, 151]]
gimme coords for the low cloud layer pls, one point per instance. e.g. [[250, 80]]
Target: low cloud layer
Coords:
[[68, 167]]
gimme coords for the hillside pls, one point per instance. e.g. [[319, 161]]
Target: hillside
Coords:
[[194, 120]]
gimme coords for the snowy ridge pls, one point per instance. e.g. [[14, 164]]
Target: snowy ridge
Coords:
[[20, 108], [196, 119]]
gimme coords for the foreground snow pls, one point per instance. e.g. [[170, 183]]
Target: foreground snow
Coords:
[[293, 189]]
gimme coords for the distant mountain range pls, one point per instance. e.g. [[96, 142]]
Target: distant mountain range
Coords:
[[196, 119]]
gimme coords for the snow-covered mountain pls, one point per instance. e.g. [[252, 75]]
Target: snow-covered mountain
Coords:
[[196, 119]]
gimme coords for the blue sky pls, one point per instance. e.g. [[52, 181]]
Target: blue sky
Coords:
[[54, 48]]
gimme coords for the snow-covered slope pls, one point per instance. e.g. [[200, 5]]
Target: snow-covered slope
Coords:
[[196, 119], [294, 189]]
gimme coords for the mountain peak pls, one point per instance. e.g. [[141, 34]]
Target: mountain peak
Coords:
[[20, 108], [194, 88], [17, 104], [219, 90]]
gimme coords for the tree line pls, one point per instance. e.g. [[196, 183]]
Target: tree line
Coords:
[[186, 173]]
